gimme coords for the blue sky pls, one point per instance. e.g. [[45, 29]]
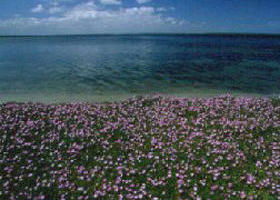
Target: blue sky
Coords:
[[136, 16]]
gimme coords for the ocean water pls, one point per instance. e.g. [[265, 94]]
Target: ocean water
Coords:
[[112, 67]]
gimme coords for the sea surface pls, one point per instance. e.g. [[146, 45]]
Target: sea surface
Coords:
[[112, 67]]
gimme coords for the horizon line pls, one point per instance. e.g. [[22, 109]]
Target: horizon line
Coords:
[[124, 34]]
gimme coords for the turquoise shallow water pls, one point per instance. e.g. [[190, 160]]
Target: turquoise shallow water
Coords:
[[98, 68]]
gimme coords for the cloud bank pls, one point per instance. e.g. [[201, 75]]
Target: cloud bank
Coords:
[[92, 17]]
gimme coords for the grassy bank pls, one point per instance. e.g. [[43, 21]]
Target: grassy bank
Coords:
[[143, 148]]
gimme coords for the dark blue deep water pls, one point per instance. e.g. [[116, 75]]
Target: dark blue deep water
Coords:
[[77, 66]]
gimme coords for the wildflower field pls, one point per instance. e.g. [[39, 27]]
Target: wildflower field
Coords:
[[142, 148]]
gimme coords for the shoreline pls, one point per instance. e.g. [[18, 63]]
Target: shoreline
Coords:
[[110, 97]]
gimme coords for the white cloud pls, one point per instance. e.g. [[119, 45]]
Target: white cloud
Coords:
[[161, 9], [165, 9], [143, 1], [81, 11], [111, 2], [38, 8], [86, 18], [55, 9]]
